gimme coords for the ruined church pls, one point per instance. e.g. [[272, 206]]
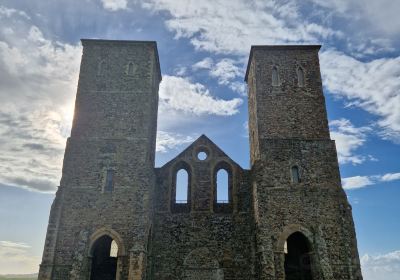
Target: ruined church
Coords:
[[118, 217]]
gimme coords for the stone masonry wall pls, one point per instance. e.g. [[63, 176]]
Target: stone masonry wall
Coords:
[[207, 241], [114, 129]]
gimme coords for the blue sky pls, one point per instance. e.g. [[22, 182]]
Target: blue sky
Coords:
[[203, 48]]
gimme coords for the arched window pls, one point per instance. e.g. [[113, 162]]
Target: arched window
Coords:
[[129, 69], [275, 76], [109, 184], [114, 249], [300, 77], [101, 68], [295, 174], [222, 186], [182, 186]]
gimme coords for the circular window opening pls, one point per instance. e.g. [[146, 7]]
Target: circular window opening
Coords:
[[202, 155]]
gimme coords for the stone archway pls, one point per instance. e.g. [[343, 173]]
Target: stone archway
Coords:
[[295, 254], [104, 259], [106, 251], [297, 262]]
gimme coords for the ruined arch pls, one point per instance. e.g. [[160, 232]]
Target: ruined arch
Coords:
[[111, 233], [295, 244], [103, 264], [290, 229]]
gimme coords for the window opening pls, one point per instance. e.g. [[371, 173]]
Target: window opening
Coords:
[[182, 186], [109, 187], [222, 186], [114, 249], [202, 155], [300, 76], [295, 174], [275, 76], [130, 68]]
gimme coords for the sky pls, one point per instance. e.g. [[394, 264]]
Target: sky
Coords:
[[203, 48]]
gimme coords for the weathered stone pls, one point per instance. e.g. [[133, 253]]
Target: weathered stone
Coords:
[[273, 226]]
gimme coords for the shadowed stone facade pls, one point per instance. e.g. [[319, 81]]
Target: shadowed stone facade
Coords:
[[116, 216]]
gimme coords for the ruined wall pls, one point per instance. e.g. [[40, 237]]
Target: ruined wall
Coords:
[[208, 240]]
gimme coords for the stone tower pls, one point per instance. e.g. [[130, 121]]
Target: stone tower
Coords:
[[303, 222], [108, 175], [118, 217]]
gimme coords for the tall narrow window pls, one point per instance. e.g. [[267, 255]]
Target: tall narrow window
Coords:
[[101, 68], [182, 186], [300, 77], [222, 186], [130, 69], [295, 174], [109, 187], [114, 249], [275, 76]]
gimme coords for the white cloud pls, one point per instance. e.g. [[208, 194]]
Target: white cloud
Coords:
[[376, 15], [180, 70], [391, 177], [15, 257], [206, 63], [348, 139], [210, 27], [179, 94], [114, 5], [9, 12], [37, 88], [239, 87], [373, 86], [11, 244], [226, 71], [356, 182], [167, 141], [381, 267], [340, 5]]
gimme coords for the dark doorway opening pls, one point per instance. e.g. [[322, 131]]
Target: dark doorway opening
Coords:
[[104, 262], [297, 258]]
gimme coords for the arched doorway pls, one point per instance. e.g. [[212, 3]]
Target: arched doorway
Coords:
[[298, 264], [104, 259]]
